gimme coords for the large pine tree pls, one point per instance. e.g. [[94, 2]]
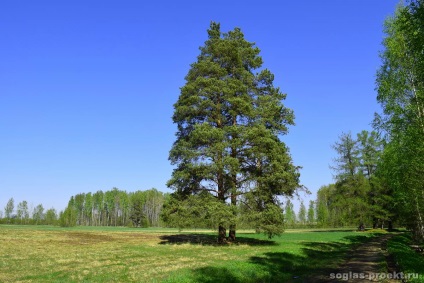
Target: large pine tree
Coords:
[[229, 122]]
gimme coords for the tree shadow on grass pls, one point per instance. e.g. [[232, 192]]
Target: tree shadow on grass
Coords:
[[315, 264], [210, 240]]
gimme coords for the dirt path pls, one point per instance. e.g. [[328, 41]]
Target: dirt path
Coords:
[[367, 263]]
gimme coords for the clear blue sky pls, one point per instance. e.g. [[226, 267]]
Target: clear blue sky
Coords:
[[87, 87]]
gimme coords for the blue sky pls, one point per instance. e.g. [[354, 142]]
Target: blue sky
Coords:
[[87, 87]]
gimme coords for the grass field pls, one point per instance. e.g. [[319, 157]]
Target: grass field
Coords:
[[409, 260], [90, 254]]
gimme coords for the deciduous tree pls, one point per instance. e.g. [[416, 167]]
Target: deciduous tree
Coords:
[[38, 214], [8, 210], [289, 214], [302, 214], [400, 86], [311, 212], [51, 217], [22, 212]]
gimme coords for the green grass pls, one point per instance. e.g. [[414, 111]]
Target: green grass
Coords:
[[110, 254], [408, 260]]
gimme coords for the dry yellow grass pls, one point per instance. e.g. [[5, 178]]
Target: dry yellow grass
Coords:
[[44, 255], [52, 254]]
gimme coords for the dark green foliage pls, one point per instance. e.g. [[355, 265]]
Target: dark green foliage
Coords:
[[268, 219], [229, 120], [137, 215], [200, 210], [347, 162], [370, 148], [379, 202], [360, 194], [350, 201]]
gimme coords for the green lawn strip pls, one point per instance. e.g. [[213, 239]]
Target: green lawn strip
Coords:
[[408, 260]]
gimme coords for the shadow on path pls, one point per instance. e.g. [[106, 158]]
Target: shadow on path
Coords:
[[363, 264]]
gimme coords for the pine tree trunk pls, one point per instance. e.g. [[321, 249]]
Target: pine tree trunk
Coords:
[[222, 233], [232, 233]]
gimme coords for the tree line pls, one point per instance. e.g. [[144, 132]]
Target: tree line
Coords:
[[109, 208], [25, 214], [360, 195], [303, 218], [114, 208], [379, 175], [133, 209]]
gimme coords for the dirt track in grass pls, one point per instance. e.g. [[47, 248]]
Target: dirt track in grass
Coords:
[[368, 262]]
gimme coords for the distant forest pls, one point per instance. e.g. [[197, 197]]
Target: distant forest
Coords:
[[110, 208], [120, 208]]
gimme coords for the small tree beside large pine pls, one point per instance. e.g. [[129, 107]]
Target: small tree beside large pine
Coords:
[[228, 145]]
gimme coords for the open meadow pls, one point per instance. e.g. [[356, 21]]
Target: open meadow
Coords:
[[106, 254]]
